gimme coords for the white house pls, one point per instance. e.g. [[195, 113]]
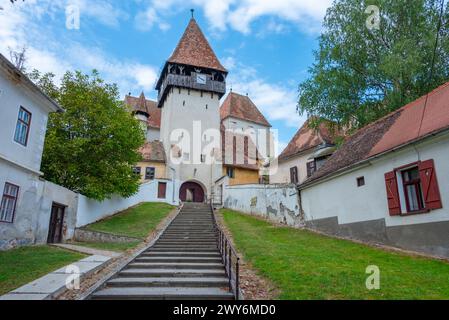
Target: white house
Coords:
[[24, 110], [306, 153], [389, 182]]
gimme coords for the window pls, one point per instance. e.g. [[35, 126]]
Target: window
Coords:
[[9, 201], [360, 182], [162, 190], [311, 168], [203, 158], [137, 170], [22, 127], [294, 175], [412, 189], [150, 173], [230, 172]]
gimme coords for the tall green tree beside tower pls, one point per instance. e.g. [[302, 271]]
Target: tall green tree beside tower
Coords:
[[360, 73], [92, 146]]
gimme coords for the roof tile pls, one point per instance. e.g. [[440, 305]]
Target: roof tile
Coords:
[[241, 107], [397, 129], [154, 120], [307, 138], [194, 49], [153, 151]]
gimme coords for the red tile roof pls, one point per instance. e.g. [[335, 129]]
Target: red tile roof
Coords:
[[250, 159], [307, 138], [397, 129], [194, 49], [150, 107], [153, 152], [241, 107]]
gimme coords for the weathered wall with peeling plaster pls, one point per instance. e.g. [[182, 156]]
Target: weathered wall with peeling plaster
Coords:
[[32, 218], [279, 202]]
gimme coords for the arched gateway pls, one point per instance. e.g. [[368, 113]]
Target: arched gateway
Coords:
[[191, 192]]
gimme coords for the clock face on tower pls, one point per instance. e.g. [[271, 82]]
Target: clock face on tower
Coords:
[[201, 78]]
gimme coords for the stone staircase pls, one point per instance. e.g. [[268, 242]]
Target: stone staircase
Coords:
[[184, 264]]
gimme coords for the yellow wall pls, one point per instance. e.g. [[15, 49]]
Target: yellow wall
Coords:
[[160, 170], [243, 176]]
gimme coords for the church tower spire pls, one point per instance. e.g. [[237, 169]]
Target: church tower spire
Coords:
[[193, 65]]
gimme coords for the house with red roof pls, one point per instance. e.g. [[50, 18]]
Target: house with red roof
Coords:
[[306, 153], [388, 183]]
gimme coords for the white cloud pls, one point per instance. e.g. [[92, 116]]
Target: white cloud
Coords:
[[240, 14], [145, 20], [100, 10], [275, 101], [28, 25]]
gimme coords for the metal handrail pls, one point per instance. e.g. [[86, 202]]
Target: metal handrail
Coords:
[[227, 252]]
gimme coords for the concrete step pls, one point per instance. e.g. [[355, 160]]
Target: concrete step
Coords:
[[173, 293], [176, 265], [180, 254], [186, 242], [134, 272], [217, 282], [197, 247], [179, 259], [189, 236], [211, 242], [183, 249], [189, 230]]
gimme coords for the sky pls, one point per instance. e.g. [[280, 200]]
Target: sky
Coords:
[[266, 45]]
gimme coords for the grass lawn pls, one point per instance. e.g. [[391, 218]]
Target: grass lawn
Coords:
[[21, 266], [136, 222], [117, 247], [304, 265]]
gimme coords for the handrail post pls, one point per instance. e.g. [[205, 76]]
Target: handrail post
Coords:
[[230, 265], [225, 253], [237, 271]]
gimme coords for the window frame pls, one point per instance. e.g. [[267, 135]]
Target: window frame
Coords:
[[147, 174], [418, 190], [27, 126], [10, 197], [294, 177], [139, 169], [361, 182], [230, 169], [311, 169], [162, 186]]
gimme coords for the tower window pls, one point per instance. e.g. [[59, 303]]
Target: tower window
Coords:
[[184, 103], [207, 107], [212, 95]]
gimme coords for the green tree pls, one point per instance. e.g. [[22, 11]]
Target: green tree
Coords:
[[92, 146], [361, 74]]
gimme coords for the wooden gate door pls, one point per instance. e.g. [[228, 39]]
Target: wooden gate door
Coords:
[[56, 223]]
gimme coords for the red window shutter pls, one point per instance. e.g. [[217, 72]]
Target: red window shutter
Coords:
[[429, 183], [394, 204]]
